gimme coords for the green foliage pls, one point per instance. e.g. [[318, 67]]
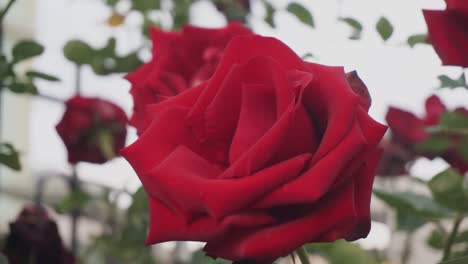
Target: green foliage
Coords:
[[408, 221], [26, 49], [180, 13], [355, 25], [435, 144], [463, 148], [413, 40], [462, 260], [453, 121], [73, 201], [384, 28], [417, 204], [9, 156], [447, 189], [302, 13], [103, 61], [269, 13], [146, 5], [437, 239], [341, 252], [41, 75], [447, 82], [199, 257]]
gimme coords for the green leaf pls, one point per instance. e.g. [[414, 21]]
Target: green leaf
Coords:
[[462, 260], [436, 239], [447, 82], [355, 25], [180, 13], [447, 189], [415, 203], [9, 156], [78, 52], [463, 149], [41, 75], [5, 68], [384, 28], [128, 63], [199, 257], [413, 40], [106, 145], [307, 55], [340, 252], [75, 200], [23, 88], [453, 121], [409, 221], [302, 13], [26, 49], [146, 5], [3, 259], [436, 144], [269, 14]]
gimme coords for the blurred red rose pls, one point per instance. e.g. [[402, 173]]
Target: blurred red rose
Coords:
[[92, 129], [180, 61], [34, 238], [408, 130], [270, 153], [448, 32]]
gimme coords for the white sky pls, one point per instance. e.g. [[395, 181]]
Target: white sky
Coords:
[[395, 74]]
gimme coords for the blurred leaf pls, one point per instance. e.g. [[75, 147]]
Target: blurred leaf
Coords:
[[385, 28], [341, 252], [3, 259], [112, 2], [106, 145], [40, 75], [146, 5], [269, 13], [5, 68], [463, 149], [447, 82], [199, 257], [73, 201], [128, 63], [9, 156], [22, 88], [356, 25], [180, 13], [78, 52], [453, 121], [408, 221], [415, 203], [302, 13], [436, 144], [108, 50], [462, 260], [236, 10], [447, 189], [436, 239], [26, 49], [413, 40], [308, 55]]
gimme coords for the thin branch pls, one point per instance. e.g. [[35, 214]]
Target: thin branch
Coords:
[[6, 9]]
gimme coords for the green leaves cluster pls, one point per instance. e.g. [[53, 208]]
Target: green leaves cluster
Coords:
[[296, 9], [340, 252], [447, 82], [22, 51], [103, 61]]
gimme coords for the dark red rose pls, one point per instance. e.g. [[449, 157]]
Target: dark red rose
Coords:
[[270, 153], [408, 130], [448, 32], [180, 60], [396, 157], [86, 123], [34, 238]]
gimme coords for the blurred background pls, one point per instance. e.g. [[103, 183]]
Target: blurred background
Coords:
[[397, 73]]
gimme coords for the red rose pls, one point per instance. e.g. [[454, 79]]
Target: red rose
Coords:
[[409, 130], [272, 152], [90, 127], [448, 32], [34, 238], [180, 60]]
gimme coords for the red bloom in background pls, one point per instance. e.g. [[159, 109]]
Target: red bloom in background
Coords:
[[92, 129], [409, 130], [448, 32], [270, 153], [34, 238], [180, 61]]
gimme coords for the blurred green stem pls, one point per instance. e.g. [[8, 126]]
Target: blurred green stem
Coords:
[[451, 238], [302, 253], [6, 9]]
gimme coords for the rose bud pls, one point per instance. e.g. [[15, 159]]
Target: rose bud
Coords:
[[448, 32], [93, 130], [270, 153], [34, 238], [180, 60], [410, 131]]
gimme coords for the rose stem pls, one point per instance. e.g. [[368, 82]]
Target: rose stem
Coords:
[[451, 238], [301, 252]]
